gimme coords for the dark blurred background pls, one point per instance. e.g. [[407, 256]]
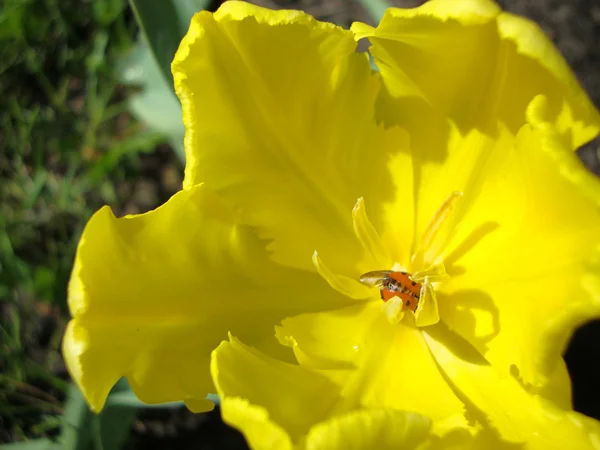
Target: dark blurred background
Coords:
[[69, 144]]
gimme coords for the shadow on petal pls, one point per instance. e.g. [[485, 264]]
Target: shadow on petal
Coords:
[[506, 411], [456, 343], [479, 69], [488, 436], [472, 314], [293, 153], [466, 244], [408, 113]]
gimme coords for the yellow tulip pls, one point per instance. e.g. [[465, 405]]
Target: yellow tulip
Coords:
[[307, 169]]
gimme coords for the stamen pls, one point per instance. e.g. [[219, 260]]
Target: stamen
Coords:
[[436, 273], [393, 310], [435, 225], [344, 285], [439, 218], [427, 311], [368, 236]]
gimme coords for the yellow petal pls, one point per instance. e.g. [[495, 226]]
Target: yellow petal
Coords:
[[344, 285], [511, 211], [254, 422], [448, 171], [278, 109], [498, 402], [152, 295], [371, 428], [540, 262], [541, 70], [392, 366], [478, 66], [523, 216], [369, 238], [296, 398], [398, 227], [277, 405], [442, 167], [525, 261]]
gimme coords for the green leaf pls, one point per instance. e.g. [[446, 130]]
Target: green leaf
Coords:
[[115, 420], [163, 24], [375, 8], [156, 105], [186, 9], [160, 26], [84, 430], [129, 400], [76, 432]]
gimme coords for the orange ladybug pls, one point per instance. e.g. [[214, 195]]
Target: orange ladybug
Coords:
[[394, 284]]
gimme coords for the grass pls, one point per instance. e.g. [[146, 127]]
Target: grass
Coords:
[[67, 146]]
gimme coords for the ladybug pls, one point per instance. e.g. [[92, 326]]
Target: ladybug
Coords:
[[394, 284]]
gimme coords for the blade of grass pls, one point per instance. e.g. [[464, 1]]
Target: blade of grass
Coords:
[[141, 142]]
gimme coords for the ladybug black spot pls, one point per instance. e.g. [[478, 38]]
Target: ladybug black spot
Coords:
[[407, 302], [403, 273], [414, 283]]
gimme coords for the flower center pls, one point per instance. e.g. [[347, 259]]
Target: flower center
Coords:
[[403, 292], [400, 291], [395, 284]]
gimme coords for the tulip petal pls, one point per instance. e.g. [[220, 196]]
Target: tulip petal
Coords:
[[518, 416], [521, 246], [296, 398], [254, 422], [390, 364], [277, 405], [344, 285], [278, 109], [384, 429], [478, 66], [152, 295], [525, 259], [448, 172]]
